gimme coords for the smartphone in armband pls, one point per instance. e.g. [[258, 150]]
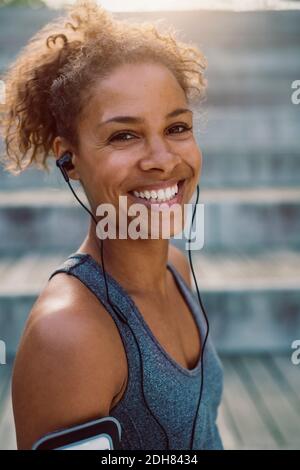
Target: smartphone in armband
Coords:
[[101, 434]]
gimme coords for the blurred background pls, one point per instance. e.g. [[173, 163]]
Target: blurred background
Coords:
[[249, 269]]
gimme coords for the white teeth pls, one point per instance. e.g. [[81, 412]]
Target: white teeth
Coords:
[[168, 193], [159, 195]]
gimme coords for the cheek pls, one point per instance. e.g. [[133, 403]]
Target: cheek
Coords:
[[198, 159], [106, 182], [200, 164], [195, 163], [194, 160], [91, 177]]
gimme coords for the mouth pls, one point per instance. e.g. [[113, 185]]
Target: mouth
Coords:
[[170, 195]]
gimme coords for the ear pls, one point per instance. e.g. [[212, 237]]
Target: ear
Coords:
[[60, 146]]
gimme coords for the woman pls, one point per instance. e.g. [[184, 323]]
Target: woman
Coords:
[[115, 96]]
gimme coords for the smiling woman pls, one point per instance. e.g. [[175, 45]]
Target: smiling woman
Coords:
[[124, 339]]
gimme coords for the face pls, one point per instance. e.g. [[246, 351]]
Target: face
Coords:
[[136, 140]]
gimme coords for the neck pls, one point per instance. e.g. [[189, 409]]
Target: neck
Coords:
[[138, 265]]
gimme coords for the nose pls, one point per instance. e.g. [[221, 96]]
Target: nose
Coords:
[[160, 156]]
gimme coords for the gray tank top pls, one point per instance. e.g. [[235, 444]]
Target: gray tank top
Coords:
[[171, 390]]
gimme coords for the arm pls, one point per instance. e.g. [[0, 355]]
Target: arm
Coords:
[[65, 370]]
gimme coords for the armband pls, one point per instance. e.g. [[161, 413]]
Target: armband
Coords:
[[101, 434]]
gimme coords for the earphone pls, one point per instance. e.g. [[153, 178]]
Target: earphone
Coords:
[[64, 163]]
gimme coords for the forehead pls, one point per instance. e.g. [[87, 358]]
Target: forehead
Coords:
[[137, 89]]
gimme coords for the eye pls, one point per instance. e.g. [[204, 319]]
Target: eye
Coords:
[[185, 128], [121, 136]]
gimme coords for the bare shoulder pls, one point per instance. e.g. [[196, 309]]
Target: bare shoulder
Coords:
[[67, 366], [180, 261]]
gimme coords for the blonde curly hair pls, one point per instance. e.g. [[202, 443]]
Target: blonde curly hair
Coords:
[[53, 75]]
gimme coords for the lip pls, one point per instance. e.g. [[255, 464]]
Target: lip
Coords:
[[157, 186], [177, 199]]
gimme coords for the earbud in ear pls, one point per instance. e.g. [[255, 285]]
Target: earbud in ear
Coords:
[[64, 163]]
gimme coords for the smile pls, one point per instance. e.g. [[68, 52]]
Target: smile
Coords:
[[171, 194]]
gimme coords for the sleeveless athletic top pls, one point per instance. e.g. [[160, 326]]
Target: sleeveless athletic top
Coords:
[[171, 390]]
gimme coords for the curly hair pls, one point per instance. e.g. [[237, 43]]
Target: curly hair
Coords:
[[53, 75]]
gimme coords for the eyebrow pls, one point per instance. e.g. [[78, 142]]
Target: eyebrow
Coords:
[[137, 120]]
